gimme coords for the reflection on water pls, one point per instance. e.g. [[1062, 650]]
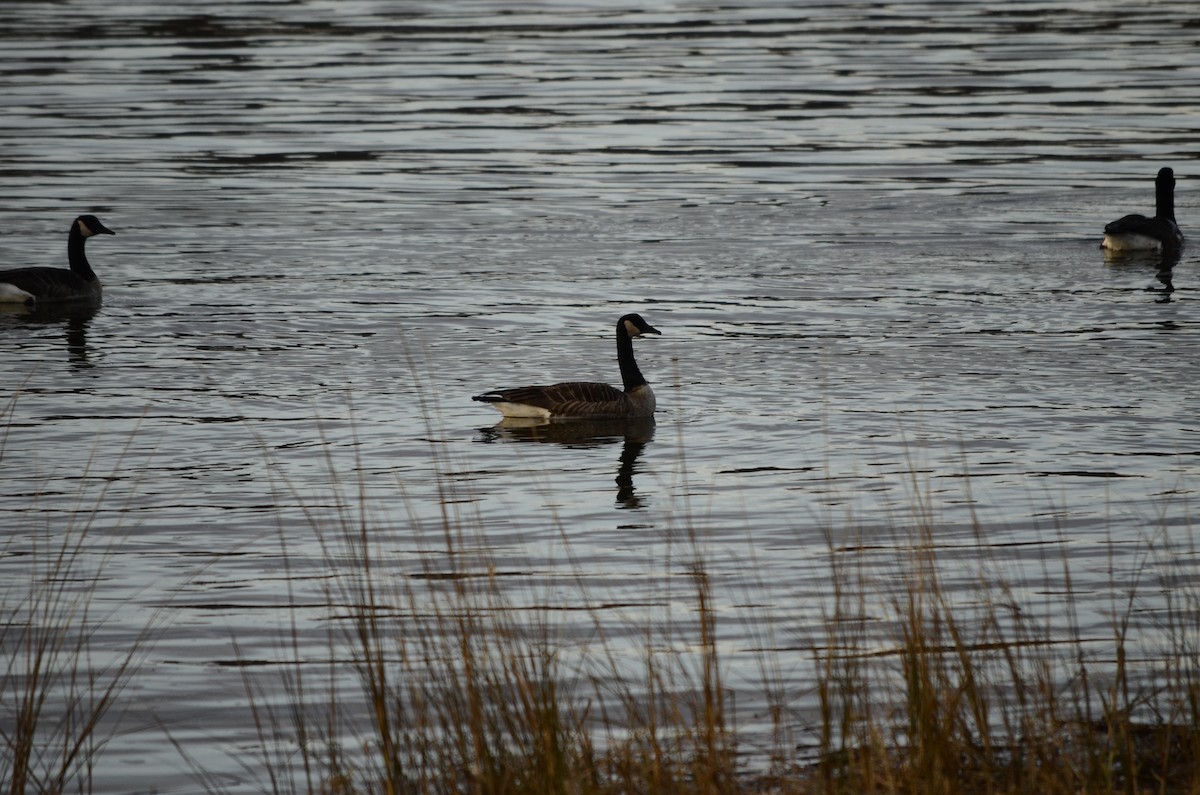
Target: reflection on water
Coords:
[[633, 435], [73, 317], [1163, 264], [1165, 276]]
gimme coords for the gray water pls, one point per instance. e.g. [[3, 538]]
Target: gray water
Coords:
[[868, 232]]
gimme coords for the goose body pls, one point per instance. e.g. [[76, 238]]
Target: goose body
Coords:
[[34, 286], [586, 399], [1139, 233]]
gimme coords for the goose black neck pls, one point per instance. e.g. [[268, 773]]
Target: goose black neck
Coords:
[[1164, 196], [75, 255], [631, 376]]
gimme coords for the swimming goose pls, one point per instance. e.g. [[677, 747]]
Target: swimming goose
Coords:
[[39, 285], [1139, 233], [584, 398]]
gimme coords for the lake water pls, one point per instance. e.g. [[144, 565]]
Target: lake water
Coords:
[[867, 231]]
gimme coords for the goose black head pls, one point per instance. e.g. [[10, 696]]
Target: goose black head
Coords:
[[634, 325], [89, 225]]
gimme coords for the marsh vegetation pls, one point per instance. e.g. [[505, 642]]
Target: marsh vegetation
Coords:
[[443, 681]]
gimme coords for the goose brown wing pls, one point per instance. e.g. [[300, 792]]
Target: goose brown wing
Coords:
[[47, 283], [1136, 224], [585, 399], [570, 398]]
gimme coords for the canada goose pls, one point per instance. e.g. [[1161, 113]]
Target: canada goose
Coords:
[[1137, 232], [38, 285], [584, 398]]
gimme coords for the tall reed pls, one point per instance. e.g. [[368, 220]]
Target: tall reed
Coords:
[[917, 690], [992, 695], [462, 689], [60, 691]]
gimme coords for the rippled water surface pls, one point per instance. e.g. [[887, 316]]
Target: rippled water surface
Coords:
[[868, 232]]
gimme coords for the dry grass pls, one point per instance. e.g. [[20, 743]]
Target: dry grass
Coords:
[[60, 692], [471, 693], [458, 689]]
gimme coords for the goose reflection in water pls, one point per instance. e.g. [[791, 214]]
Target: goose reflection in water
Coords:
[[634, 435], [74, 318], [1163, 263], [1166, 269]]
